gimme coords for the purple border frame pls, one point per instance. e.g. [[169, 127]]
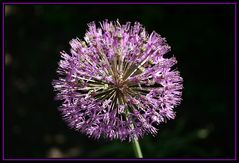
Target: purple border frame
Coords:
[[139, 3], [125, 3]]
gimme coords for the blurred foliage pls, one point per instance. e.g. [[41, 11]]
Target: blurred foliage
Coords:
[[201, 37]]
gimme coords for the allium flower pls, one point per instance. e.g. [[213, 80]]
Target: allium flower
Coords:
[[117, 83]]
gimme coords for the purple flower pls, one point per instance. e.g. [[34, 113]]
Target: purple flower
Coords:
[[117, 83]]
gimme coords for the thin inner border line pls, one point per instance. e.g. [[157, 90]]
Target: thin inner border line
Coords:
[[235, 129], [3, 63], [134, 3]]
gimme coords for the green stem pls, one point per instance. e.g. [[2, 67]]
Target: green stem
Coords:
[[135, 141], [137, 149]]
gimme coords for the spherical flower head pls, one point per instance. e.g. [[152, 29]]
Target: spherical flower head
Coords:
[[117, 83]]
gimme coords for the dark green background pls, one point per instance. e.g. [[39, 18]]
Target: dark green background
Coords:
[[202, 39]]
